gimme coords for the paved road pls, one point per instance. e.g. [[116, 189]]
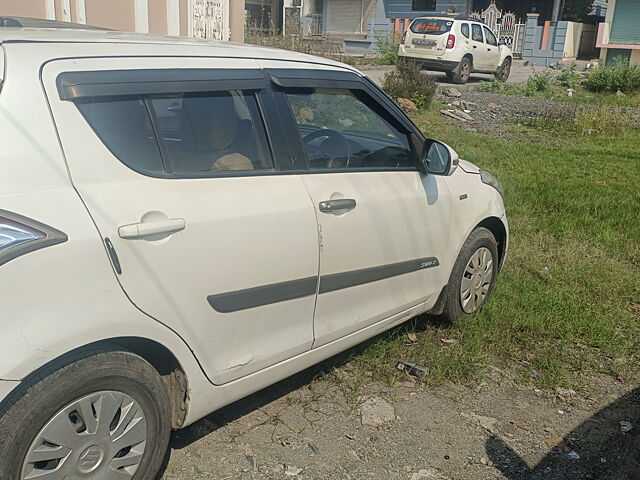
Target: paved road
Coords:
[[519, 74]]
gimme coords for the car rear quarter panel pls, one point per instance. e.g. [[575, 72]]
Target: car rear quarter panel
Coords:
[[62, 297]]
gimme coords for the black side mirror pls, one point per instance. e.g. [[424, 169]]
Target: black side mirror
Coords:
[[439, 158]]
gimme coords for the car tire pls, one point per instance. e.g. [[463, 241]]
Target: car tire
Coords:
[[504, 70], [476, 267], [89, 412], [462, 72]]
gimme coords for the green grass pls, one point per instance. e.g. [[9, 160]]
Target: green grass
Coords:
[[574, 212], [558, 93]]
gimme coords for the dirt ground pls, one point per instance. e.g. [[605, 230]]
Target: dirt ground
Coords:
[[314, 428]]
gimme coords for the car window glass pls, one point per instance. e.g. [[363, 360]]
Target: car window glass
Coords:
[[476, 33], [124, 126], [340, 129], [464, 28], [431, 26], [490, 37], [211, 131]]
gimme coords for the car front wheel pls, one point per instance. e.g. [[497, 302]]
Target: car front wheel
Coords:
[[102, 415], [473, 276]]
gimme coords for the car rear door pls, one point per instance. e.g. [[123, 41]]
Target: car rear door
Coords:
[[182, 177], [383, 225], [478, 47], [493, 50]]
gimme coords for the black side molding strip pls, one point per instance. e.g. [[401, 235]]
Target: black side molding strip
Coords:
[[263, 295], [338, 281], [290, 290]]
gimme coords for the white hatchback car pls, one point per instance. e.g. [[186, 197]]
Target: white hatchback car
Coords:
[[457, 46], [186, 222]]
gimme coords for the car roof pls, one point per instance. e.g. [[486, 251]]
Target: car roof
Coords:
[[451, 18], [141, 44]]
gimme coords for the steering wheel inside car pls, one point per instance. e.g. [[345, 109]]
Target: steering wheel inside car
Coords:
[[330, 134]]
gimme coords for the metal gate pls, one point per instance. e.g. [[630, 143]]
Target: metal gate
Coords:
[[209, 19], [506, 26]]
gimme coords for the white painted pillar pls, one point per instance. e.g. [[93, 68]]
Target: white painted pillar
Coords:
[[141, 10], [66, 10], [50, 9], [173, 17], [81, 8]]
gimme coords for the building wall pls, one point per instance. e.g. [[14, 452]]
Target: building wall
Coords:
[[23, 8], [403, 8], [634, 58], [154, 16]]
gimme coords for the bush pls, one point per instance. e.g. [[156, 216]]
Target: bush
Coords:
[[607, 79], [539, 82], [569, 78], [407, 81], [388, 50]]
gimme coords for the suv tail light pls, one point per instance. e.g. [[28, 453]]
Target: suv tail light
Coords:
[[451, 41], [20, 235], [404, 35]]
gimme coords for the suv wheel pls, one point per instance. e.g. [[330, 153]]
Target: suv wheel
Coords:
[[473, 275], [504, 70], [463, 71], [100, 415]]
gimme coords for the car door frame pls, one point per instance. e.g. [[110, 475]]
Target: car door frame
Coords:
[[283, 79], [479, 53]]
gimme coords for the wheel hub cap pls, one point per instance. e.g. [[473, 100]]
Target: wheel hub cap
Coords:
[[476, 280], [101, 436]]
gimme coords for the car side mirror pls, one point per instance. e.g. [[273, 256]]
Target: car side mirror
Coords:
[[439, 158]]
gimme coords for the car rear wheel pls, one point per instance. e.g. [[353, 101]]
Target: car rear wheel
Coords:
[[101, 415], [504, 70], [473, 276], [463, 71]]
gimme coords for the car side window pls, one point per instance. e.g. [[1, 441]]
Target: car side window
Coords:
[[341, 128], [190, 134], [476, 33], [211, 131], [464, 28], [490, 37]]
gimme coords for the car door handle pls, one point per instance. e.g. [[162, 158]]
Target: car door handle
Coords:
[[475, 46], [488, 49], [142, 229], [334, 205]]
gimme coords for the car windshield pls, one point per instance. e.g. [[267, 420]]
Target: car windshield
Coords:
[[431, 26]]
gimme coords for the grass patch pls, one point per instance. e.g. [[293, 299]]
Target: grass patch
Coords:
[[566, 303]]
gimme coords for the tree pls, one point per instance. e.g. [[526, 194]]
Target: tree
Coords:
[[577, 10]]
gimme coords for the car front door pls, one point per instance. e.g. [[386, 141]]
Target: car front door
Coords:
[[479, 48], [180, 173], [493, 50], [382, 225]]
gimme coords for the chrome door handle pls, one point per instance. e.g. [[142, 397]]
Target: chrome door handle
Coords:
[[336, 205], [142, 229]]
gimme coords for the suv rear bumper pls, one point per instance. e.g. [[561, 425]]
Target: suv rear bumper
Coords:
[[433, 64]]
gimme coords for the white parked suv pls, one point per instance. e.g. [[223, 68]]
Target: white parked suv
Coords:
[[457, 46], [186, 222]]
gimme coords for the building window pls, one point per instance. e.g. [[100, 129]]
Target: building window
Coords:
[[425, 5]]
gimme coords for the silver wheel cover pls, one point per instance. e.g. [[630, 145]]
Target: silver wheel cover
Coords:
[[476, 280], [101, 436]]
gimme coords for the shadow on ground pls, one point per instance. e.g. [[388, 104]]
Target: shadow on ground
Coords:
[[605, 451]]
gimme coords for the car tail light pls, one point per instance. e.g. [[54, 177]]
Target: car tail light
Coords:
[[451, 41], [20, 235], [404, 35]]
